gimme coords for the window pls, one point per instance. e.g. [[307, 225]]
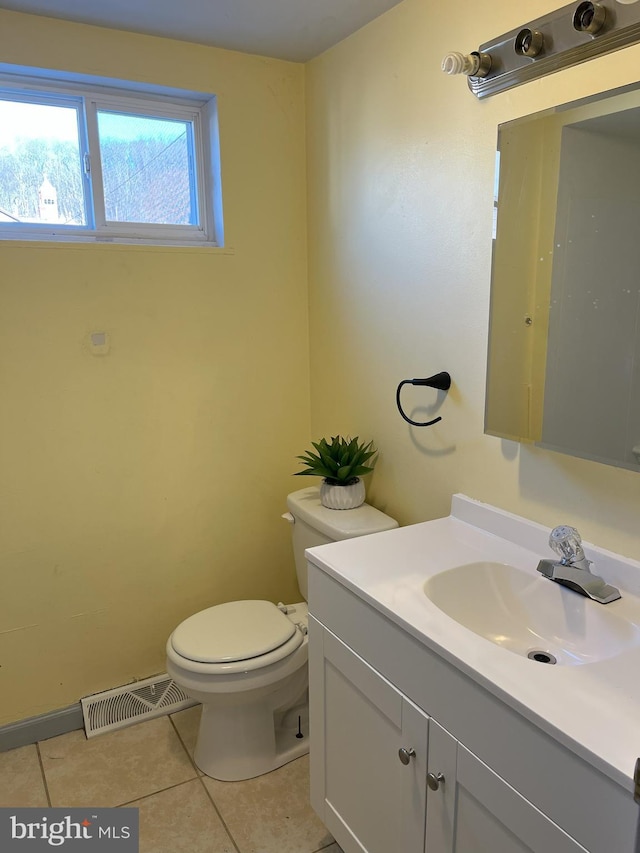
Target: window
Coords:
[[101, 165]]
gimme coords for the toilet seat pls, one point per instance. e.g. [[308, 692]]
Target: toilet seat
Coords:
[[238, 636]]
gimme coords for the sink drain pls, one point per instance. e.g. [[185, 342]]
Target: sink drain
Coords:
[[541, 657]]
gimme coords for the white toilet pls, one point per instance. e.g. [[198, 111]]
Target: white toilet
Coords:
[[246, 661]]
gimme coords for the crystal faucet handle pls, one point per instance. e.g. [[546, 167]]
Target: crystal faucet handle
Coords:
[[567, 543]]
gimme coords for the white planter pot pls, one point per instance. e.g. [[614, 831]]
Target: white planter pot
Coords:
[[342, 497]]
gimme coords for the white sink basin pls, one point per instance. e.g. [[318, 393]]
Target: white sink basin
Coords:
[[530, 615]]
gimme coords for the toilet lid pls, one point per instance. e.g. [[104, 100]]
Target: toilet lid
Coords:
[[238, 630]]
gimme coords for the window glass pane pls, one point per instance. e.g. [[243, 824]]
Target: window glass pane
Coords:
[[147, 169], [40, 165]]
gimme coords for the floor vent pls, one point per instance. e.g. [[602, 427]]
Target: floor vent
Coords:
[[132, 703]]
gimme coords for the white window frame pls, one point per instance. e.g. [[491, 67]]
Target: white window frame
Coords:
[[198, 110]]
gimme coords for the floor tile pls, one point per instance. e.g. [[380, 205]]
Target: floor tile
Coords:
[[181, 820], [21, 782], [114, 768], [271, 814]]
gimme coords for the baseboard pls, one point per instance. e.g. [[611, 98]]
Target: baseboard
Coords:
[[40, 728]]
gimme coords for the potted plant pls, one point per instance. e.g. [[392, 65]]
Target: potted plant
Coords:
[[340, 463]]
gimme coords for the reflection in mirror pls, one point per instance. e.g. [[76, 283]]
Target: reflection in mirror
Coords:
[[564, 335]]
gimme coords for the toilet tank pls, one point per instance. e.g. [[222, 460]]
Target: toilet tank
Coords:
[[314, 524]]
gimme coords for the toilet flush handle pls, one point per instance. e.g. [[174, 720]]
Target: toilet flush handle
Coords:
[[288, 517]]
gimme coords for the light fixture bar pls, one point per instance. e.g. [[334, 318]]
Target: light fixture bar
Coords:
[[566, 37]]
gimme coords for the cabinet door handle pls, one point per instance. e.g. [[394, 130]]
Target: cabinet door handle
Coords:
[[434, 780], [405, 755]]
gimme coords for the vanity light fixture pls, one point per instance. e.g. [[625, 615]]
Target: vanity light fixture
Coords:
[[474, 64], [589, 18], [566, 37], [529, 42]]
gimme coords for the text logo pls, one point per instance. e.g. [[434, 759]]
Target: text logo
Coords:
[[69, 830]]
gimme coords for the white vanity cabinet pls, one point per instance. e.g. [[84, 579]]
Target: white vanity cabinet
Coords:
[[367, 797], [509, 787], [473, 810], [372, 751]]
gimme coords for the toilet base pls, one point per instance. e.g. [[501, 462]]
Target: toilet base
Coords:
[[254, 742], [249, 722]]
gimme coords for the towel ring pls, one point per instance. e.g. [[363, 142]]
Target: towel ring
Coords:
[[441, 381]]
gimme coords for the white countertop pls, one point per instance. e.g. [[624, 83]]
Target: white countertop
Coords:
[[593, 708]]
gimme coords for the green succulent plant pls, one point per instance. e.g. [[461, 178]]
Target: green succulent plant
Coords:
[[341, 462]]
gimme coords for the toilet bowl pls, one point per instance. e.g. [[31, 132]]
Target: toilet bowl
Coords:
[[246, 661]]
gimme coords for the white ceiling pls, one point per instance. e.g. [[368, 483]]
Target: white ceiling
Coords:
[[296, 30]]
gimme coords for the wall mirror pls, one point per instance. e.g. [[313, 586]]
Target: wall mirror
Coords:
[[564, 336]]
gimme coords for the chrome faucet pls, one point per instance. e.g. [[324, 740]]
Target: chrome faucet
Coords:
[[573, 569]]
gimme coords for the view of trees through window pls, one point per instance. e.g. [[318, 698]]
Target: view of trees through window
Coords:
[[147, 165], [146, 169], [27, 171], [40, 176]]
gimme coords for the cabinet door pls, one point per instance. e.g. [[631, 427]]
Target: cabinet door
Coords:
[[367, 797], [475, 811]]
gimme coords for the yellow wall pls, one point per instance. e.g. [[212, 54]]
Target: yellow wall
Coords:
[[401, 172], [128, 480], [141, 486]]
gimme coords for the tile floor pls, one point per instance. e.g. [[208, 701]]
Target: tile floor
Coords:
[[150, 766]]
